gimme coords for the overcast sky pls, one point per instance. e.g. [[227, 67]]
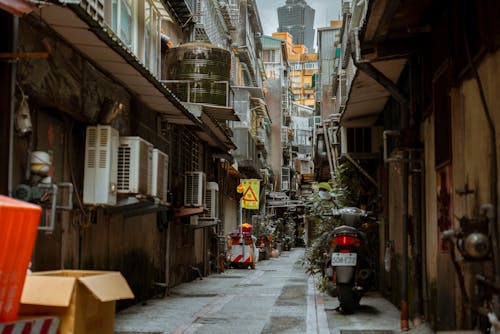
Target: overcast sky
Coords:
[[325, 11]]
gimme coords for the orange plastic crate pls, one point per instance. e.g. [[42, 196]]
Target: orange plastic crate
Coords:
[[18, 229]]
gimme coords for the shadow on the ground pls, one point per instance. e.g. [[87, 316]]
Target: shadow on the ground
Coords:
[[367, 309]]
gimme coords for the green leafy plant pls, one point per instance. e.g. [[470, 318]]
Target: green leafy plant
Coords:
[[346, 188]]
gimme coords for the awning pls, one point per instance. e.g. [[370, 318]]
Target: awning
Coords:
[[213, 129], [101, 45], [220, 136], [206, 222], [220, 113], [232, 171], [130, 206], [284, 205], [17, 7], [254, 91], [260, 106], [367, 97], [187, 212], [180, 10], [249, 169]]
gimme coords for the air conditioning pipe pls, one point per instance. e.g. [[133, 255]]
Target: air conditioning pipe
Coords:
[[13, 74]]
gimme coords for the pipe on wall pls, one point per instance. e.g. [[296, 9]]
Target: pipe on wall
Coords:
[[493, 220], [404, 230], [405, 106], [417, 167], [13, 74], [328, 150]]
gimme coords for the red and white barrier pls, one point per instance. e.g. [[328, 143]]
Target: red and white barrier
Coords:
[[43, 325]]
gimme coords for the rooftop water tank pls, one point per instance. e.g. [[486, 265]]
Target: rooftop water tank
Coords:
[[200, 71]]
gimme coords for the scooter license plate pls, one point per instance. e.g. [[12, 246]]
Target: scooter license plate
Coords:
[[344, 259]]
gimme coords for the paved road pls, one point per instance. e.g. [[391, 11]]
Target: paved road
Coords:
[[277, 297]]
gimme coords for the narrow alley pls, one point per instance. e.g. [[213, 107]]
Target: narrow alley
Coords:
[[277, 297]]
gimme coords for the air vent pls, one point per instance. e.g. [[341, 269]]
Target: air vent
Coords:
[[194, 189], [212, 200], [134, 166], [100, 172], [159, 182]]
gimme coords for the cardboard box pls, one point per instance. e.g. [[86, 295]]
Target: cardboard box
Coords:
[[84, 300]]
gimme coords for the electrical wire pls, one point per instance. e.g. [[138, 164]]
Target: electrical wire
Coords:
[[86, 216]]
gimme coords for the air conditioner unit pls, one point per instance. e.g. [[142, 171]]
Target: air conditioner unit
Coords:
[[194, 189], [134, 166], [100, 171], [212, 200], [159, 180]]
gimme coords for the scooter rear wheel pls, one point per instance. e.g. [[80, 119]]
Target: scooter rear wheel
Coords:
[[347, 298]]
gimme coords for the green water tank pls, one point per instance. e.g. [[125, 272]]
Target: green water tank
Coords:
[[199, 72]]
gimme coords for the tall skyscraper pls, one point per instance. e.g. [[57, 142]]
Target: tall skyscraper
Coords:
[[297, 18]]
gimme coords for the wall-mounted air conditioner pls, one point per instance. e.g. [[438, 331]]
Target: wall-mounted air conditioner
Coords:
[[159, 180], [212, 200], [134, 166], [194, 189], [100, 171]]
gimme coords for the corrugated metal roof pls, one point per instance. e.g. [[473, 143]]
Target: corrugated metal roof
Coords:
[[269, 42], [107, 51]]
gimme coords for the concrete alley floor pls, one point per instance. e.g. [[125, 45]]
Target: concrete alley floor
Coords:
[[277, 297]]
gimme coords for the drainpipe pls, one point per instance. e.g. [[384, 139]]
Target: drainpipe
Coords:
[[417, 167], [404, 211], [328, 152], [404, 103], [13, 74], [404, 230]]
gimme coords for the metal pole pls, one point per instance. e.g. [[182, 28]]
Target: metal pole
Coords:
[[404, 229], [242, 240], [13, 74]]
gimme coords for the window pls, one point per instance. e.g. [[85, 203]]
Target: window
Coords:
[[120, 18], [147, 33], [270, 56], [297, 66], [311, 66], [359, 140], [151, 37], [301, 137]]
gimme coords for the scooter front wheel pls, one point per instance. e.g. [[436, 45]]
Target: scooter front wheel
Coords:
[[347, 298]]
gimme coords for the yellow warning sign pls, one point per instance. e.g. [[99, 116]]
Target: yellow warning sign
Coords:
[[251, 193]]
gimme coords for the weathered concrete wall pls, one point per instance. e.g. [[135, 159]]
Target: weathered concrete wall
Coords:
[[231, 215], [66, 94], [181, 250], [273, 100], [395, 224], [470, 167], [439, 276], [130, 245], [472, 156]]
